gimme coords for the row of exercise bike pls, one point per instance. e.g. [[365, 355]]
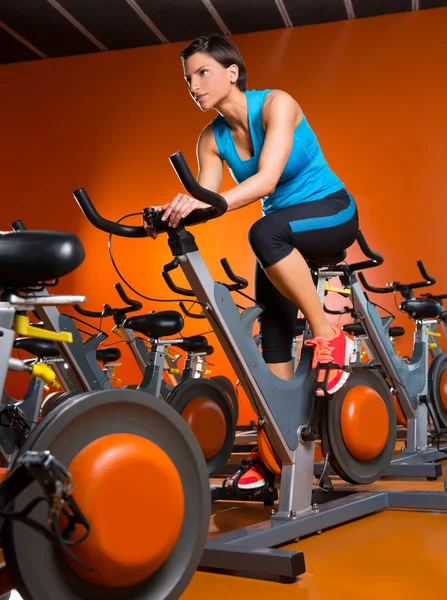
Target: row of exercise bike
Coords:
[[80, 510]]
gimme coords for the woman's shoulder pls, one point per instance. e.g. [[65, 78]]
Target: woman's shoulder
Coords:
[[266, 93], [218, 126], [278, 97], [208, 130], [273, 99], [281, 102], [207, 138]]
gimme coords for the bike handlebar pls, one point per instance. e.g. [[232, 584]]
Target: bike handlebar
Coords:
[[175, 288], [428, 279], [218, 206], [375, 259], [240, 283], [342, 311], [18, 225], [397, 285], [89, 210], [435, 296], [90, 313], [133, 305], [191, 184], [109, 311]]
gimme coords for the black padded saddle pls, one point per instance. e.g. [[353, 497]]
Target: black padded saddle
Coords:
[[158, 324], [32, 257]]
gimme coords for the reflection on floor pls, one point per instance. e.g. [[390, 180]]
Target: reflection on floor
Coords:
[[390, 554]]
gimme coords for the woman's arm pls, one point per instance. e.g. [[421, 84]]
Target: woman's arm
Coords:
[[211, 169], [210, 177], [282, 115]]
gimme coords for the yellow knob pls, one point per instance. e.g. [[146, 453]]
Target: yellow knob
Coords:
[[44, 372]]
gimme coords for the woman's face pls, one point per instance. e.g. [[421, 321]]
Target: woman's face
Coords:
[[208, 81]]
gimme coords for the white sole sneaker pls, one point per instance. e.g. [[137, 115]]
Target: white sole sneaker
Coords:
[[247, 486], [350, 356], [251, 486]]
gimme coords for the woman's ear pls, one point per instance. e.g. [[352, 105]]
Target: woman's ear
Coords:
[[233, 73]]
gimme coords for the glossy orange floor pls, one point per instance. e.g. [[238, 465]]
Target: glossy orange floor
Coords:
[[388, 555]]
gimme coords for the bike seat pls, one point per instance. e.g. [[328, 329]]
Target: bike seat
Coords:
[[327, 261], [422, 308], [195, 343], [48, 349], [354, 329], [106, 355], [37, 347], [443, 316], [357, 329], [32, 257], [396, 331], [164, 322]]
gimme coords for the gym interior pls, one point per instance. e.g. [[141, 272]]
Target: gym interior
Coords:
[[133, 383]]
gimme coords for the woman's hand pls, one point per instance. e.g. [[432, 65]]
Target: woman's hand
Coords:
[[179, 208]]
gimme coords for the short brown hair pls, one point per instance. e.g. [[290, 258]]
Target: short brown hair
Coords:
[[222, 50]]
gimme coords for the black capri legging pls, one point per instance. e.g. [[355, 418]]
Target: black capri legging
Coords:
[[317, 229]]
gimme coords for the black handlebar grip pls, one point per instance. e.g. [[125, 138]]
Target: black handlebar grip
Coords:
[[376, 259], [375, 256], [132, 304], [371, 288], [191, 184], [87, 313], [218, 205], [241, 281], [18, 225], [176, 288], [342, 311], [429, 280], [89, 210]]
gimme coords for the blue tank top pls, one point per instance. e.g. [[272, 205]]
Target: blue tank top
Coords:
[[306, 176]]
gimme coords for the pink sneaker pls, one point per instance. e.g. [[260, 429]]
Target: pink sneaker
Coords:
[[252, 474], [338, 351]]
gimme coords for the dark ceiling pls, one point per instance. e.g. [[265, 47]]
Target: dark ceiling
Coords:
[[39, 29]]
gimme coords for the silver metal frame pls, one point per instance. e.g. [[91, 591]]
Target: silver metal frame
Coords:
[[30, 403], [418, 458], [435, 350], [409, 378], [80, 370], [156, 361], [284, 408], [282, 420]]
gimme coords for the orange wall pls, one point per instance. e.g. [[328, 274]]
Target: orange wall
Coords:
[[374, 90]]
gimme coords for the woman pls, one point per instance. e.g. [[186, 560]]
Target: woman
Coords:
[[273, 155]]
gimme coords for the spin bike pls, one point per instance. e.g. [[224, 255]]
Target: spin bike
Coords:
[[411, 379], [213, 422], [406, 377], [206, 405], [153, 356], [288, 411], [437, 376], [114, 443]]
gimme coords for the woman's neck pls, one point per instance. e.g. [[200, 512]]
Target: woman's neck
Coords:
[[234, 109]]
